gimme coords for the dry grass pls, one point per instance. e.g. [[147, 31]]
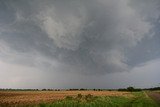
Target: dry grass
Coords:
[[35, 97]]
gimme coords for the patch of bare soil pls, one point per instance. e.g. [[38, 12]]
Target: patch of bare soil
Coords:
[[155, 96]]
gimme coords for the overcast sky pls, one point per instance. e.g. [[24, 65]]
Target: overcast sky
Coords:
[[79, 43]]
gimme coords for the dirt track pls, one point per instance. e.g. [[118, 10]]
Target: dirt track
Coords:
[[155, 96]]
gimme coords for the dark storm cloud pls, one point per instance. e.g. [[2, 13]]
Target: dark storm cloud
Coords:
[[92, 36]]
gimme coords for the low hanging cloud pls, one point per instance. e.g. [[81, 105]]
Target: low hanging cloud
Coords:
[[90, 37]]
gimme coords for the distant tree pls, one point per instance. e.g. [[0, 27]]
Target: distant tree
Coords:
[[43, 89], [82, 89], [131, 89]]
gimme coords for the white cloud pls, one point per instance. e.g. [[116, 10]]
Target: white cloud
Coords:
[[65, 30]]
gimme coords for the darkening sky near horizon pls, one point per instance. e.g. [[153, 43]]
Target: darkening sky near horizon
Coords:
[[79, 43]]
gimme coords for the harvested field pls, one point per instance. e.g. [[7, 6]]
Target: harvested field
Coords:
[[36, 97]]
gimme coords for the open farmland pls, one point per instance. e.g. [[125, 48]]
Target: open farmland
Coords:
[[36, 97], [75, 99]]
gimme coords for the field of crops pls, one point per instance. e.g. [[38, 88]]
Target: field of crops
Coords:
[[75, 99], [36, 97], [139, 99]]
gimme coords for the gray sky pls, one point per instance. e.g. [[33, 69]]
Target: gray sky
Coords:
[[79, 43]]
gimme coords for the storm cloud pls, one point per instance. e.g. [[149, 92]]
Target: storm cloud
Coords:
[[93, 37]]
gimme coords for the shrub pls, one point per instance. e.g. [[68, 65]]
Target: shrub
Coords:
[[69, 98], [79, 96], [89, 97]]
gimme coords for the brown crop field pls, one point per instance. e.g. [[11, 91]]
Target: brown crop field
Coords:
[[36, 97]]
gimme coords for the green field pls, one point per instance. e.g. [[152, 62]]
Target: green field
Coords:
[[139, 99]]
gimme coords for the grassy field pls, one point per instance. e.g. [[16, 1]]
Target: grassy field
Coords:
[[139, 99], [75, 99]]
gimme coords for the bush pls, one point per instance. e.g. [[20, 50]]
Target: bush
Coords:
[[69, 98], [79, 96], [89, 97]]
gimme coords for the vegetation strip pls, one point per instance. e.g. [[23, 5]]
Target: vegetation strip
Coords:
[[139, 100]]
